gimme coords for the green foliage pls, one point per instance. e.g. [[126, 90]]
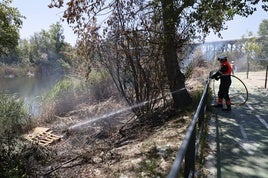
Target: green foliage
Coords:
[[263, 31], [61, 98], [205, 16], [70, 92], [56, 37], [100, 85], [193, 65], [263, 28], [14, 120], [63, 87], [212, 15], [46, 45], [13, 116], [45, 50], [163, 26], [150, 166], [196, 96], [252, 48], [10, 22]]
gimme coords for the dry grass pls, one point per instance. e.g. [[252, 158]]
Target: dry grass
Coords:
[[106, 140], [256, 79], [97, 143], [142, 150]]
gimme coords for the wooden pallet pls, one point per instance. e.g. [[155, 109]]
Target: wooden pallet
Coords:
[[42, 136]]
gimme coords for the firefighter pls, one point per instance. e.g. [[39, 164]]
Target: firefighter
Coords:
[[224, 74], [233, 67]]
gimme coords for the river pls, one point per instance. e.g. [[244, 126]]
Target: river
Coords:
[[29, 89]]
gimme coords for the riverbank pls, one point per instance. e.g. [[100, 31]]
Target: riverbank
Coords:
[[105, 139], [13, 71], [117, 145]]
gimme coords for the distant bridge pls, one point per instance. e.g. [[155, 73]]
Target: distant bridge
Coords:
[[212, 49]]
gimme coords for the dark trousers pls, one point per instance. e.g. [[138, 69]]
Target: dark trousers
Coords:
[[223, 93]]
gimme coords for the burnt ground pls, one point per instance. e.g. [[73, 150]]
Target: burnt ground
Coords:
[[115, 146], [107, 140]]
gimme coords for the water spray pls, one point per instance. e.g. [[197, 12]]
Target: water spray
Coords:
[[81, 124]]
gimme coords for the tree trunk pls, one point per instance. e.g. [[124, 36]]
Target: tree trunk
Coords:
[[176, 78], [247, 65]]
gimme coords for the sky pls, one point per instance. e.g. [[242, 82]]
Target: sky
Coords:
[[241, 26], [39, 16]]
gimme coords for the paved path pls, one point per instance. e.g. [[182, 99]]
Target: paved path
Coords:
[[239, 139]]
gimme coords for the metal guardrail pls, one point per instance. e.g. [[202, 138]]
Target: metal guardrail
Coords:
[[266, 76], [189, 148]]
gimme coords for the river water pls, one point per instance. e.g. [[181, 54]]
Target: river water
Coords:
[[29, 89]]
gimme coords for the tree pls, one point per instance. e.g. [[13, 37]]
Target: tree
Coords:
[[252, 49], [263, 31], [56, 37], [44, 45], [10, 23], [45, 50], [174, 23]]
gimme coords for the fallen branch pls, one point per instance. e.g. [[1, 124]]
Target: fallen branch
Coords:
[[58, 167]]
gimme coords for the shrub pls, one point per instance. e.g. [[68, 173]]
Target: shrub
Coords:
[[70, 92], [61, 98], [13, 116], [101, 85], [14, 120]]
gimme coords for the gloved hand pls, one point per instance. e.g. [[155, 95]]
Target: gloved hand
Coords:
[[216, 76], [212, 76]]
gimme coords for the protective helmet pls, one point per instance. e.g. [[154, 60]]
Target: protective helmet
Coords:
[[222, 58]]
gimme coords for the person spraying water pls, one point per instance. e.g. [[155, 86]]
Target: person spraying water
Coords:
[[224, 74]]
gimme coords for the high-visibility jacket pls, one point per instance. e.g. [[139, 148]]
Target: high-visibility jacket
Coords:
[[224, 71], [226, 68]]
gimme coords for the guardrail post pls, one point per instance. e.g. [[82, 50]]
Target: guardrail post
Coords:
[[190, 157]]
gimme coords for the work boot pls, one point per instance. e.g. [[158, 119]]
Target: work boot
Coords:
[[219, 103], [228, 108]]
